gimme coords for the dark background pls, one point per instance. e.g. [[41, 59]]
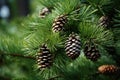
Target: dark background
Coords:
[[16, 8]]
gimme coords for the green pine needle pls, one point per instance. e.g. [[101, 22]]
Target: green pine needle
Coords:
[[49, 3], [9, 44], [66, 6], [92, 31], [116, 19]]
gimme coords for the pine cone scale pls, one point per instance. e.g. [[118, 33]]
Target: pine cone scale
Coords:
[[72, 46], [59, 22], [108, 69], [44, 57], [91, 52]]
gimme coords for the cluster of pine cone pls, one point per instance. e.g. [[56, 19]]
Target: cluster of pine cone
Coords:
[[72, 46]]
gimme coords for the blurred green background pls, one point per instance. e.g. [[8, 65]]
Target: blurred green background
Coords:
[[12, 14]]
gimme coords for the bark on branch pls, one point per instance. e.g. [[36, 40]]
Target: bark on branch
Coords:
[[17, 55]]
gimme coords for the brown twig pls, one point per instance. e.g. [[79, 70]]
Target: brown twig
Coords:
[[17, 55], [53, 78]]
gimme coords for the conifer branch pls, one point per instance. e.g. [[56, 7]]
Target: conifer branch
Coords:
[[54, 77], [17, 55]]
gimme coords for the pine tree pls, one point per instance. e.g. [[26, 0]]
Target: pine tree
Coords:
[[78, 42]]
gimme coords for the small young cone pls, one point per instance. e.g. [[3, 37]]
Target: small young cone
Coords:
[[73, 46], [45, 11], [104, 21], [44, 57], [59, 22], [108, 69], [91, 52]]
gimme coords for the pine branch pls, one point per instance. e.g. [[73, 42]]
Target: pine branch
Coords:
[[53, 78], [17, 55]]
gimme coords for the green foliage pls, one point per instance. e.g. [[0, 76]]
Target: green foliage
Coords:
[[104, 6], [97, 33], [117, 19], [67, 6], [83, 69], [49, 3], [39, 31], [10, 45], [18, 69], [35, 31], [10, 37], [86, 13], [116, 31], [35, 35], [118, 47], [100, 2]]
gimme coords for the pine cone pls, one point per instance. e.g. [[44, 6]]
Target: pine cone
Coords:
[[91, 52], [104, 21], [45, 11], [108, 69], [73, 46], [59, 22], [44, 57]]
